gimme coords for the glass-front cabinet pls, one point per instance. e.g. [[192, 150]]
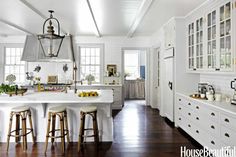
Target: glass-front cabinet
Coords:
[[191, 55], [199, 43], [225, 32], [210, 40]]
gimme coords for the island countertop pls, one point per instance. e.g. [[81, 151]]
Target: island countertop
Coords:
[[105, 96]]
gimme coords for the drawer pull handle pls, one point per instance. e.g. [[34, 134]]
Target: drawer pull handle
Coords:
[[212, 142], [213, 114], [197, 118], [189, 104], [226, 134], [197, 131], [197, 107], [189, 125], [179, 99], [189, 114], [226, 120], [179, 118], [212, 127], [179, 108]]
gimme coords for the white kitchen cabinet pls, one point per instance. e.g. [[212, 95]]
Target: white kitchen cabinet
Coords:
[[210, 125], [169, 31], [117, 93], [210, 38]]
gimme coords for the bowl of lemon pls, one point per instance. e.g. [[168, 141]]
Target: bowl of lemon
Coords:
[[88, 94]]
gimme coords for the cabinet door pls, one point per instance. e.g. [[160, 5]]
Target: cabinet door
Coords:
[[199, 43], [211, 40], [170, 34], [191, 52], [225, 37]]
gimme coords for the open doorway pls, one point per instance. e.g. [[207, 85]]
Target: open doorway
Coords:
[[135, 75]]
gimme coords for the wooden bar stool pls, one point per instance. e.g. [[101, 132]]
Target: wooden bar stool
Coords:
[[64, 131], [92, 111], [20, 112]]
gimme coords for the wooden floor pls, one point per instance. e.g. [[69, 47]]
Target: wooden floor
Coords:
[[139, 131]]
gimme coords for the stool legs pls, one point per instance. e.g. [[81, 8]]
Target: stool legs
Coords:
[[31, 127], [53, 127], [24, 133], [62, 133], [95, 128], [66, 126], [47, 134], [17, 139], [9, 130], [63, 129], [81, 131]]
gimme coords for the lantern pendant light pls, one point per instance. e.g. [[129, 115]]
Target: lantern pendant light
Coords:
[[50, 42]]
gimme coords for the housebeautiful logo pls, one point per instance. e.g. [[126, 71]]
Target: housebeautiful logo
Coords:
[[206, 152]]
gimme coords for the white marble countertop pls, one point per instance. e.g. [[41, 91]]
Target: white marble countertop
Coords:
[[105, 97], [222, 105], [99, 85]]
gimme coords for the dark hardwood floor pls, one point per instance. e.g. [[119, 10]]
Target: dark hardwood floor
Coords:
[[139, 131]]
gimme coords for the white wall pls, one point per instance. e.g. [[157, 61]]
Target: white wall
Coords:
[[221, 83]]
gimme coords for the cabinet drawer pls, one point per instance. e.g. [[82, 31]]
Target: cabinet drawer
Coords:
[[210, 114], [228, 121], [228, 136]]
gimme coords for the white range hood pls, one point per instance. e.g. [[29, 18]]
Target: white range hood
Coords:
[[33, 52]]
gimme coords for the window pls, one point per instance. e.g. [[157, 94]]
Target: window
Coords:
[[13, 64], [91, 61], [132, 65]]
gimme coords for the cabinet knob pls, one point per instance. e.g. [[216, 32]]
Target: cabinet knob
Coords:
[[179, 118], [189, 104], [197, 118], [189, 114], [197, 131], [217, 69], [179, 99], [179, 108], [226, 120], [226, 134], [213, 114], [212, 142], [212, 127], [189, 125], [197, 107]]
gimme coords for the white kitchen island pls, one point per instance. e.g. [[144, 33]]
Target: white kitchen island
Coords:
[[41, 101]]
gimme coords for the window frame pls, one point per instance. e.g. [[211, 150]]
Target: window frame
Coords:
[[90, 45], [139, 59], [10, 45]]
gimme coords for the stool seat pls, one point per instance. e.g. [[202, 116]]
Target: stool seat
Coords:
[[57, 109], [20, 109], [87, 109]]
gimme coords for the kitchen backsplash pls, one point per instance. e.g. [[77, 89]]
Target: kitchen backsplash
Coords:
[[219, 82]]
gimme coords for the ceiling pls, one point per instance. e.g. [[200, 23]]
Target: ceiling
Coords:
[[112, 17]]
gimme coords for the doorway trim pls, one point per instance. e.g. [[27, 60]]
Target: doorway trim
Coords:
[[147, 69]]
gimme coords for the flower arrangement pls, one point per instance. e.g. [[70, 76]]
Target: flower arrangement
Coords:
[[90, 78], [11, 78]]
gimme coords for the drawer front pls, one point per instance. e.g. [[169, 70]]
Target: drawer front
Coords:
[[210, 114], [228, 136], [185, 102], [228, 121]]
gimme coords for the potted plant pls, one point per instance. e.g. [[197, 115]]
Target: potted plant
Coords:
[[90, 78]]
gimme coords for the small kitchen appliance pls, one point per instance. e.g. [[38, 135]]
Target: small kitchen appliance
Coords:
[[202, 88], [233, 86]]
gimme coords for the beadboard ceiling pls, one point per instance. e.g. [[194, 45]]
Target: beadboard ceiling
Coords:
[[112, 17]]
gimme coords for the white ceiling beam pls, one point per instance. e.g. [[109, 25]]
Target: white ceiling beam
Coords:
[[16, 26], [27, 4], [143, 9], [96, 31]]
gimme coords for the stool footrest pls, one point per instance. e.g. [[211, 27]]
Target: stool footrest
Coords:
[[31, 130], [65, 133]]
